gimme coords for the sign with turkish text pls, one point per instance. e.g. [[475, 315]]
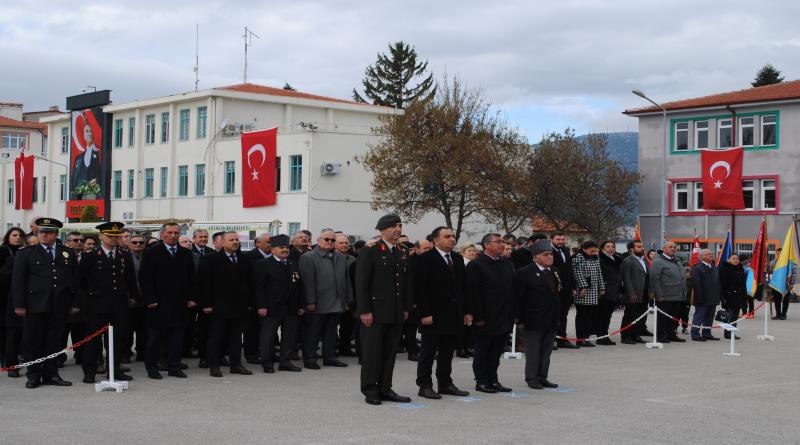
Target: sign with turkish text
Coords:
[[722, 179], [259, 149]]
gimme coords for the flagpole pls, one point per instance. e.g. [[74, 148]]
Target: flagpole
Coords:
[[765, 287]]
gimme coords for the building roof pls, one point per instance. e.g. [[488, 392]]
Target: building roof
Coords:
[[13, 123], [768, 93], [272, 91]]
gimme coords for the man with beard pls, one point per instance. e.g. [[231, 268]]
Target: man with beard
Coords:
[[562, 263]]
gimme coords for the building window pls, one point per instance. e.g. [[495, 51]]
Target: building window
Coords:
[[150, 129], [148, 182], [117, 186], [724, 139], [35, 191], [44, 189], [295, 172], [11, 191], [184, 128], [117, 133], [200, 180], [698, 196], [202, 118], [44, 146], [747, 192], [680, 198], [130, 184], [277, 173], [183, 180], [768, 125], [681, 136], [64, 140], [293, 228], [768, 201], [13, 140], [164, 182], [746, 134], [131, 131], [62, 188], [165, 127], [230, 177], [700, 135]]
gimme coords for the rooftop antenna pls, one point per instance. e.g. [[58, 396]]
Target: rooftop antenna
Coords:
[[196, 55], [248, 41]]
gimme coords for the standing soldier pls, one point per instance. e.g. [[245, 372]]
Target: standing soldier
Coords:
[[44, 285], [384, 299], [108, 282]]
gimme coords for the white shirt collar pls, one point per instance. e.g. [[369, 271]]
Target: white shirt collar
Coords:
[[391, 246], [442, 252], [540, 267], [264, 254], [107, 251]]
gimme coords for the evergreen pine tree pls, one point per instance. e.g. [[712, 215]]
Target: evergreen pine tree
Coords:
[[767, 75], [389, 81]]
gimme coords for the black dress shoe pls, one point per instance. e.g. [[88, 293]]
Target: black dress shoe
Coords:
[[555, 346], [294, 356], [155, 375], [335, 363], [202, 364], [88, 379], [311, 365], [500, 387], [288, 366], [253, 360], [628, 341], [239, 369], [606, 341], [548, 384], [373, 400], [485, 387], [223, 361], [124, 369], [14, 373], [413, 357], [30, 384], [728, 336], [392, 396], [586, 344], [638, 339], [647, 333], [122, 376], [535, 384], [698, 338], [214, 371], [56, 381], [268, 368], [185, 366], [429, 393], [711, 337], [347, 353], [676, 339], [177, 373], [566, 344], [452, 390]]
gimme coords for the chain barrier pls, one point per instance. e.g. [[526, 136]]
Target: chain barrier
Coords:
[[71, 347], [713, 326], [620, 330]]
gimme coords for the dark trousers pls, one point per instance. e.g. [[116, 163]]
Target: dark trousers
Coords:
[[781, 303], [684, 316], [250, 336], [42, 334], [94, 347], [584, 320], [76, 330], [190, 331], [163, 341], [201, 331], [488, 349], [320, 326], [378, 351], [432, 343], [538, 347], [605, 309], [566, 302], [666, 325], [269, 330], [465, 338], [409, 337], [347, 326], [632, 310], [750, 303], [136, 333], [13, 345], [227, 333], [703, 316]]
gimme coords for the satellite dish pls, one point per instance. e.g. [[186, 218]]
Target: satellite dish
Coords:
[[224, 123]]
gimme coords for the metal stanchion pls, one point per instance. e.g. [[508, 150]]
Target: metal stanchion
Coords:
[[765, 335], [654, 344], [513, 353], [110, 383]]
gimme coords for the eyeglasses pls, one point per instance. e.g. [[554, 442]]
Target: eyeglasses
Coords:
[[329, 240], [136, 242], [75, 240]]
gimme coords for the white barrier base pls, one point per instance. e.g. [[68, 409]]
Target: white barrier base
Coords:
[[654, 344], [765, 337], [117, 386], [516, 355], [736, 354]]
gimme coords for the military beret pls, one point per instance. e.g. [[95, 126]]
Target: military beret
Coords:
[[279, 241], [49, 224], [111, 228], [387, 221], [540, 246]]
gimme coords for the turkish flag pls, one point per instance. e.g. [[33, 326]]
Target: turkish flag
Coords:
[[258, 167], [23, 181], [722, 179]]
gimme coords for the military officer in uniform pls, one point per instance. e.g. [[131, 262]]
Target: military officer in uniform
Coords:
[[384, 300], [44, 285], [107, 283]]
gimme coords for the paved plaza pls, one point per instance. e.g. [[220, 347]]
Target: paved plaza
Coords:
[[687, 393]]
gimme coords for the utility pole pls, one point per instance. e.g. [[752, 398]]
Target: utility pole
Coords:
[[196, 55], [248, 41]]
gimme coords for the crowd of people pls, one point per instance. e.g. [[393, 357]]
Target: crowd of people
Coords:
[[290, 301]]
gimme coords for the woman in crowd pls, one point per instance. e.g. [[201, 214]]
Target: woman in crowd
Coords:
[[733, 282], [589, 287], [610, 264], [10, 324], [469, 252]]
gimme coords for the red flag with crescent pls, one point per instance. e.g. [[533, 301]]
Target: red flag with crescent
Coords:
[[722, 179], [23, 181], [258, 167]]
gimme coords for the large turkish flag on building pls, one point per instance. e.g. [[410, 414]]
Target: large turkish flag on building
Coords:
[[258, 167], [23, 181], [722, 179]]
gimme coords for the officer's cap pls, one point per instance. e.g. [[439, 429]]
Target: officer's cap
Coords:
[[111, 228], [387, 221], [49, 224]]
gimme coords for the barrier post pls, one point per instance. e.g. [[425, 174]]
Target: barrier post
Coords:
[[110, 383], [654, 344], [513, 353], [765, 336], [730, 330]]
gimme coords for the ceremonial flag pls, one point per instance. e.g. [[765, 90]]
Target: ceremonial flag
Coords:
[[637, 236], [258, 167], [750, 282], [758, 261], [726, 251], [722, 179], [23, 181], [782, 272], [695, 257]]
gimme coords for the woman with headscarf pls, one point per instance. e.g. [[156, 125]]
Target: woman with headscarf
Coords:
[[733, 281], [589, 286], [10, 323]]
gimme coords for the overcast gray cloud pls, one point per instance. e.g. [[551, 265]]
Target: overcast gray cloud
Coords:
[[548, 65]]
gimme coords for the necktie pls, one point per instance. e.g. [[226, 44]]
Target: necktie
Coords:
[[50, 254], [449, 261], [172, 251], [111, 255], [233, 258], [283, 262]]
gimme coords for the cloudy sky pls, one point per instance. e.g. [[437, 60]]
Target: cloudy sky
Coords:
[[547, 65]]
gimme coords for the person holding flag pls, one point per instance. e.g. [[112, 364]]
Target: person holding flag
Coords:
[[781, 281]]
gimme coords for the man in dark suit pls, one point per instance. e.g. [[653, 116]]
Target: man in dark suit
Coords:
[[439, 293], [168, 282], [635, 296], [536, 289], [252, 326], [490, 299], [200, 242], [44, 288], [707, 294], [108, 283], [226, 292], [384, 300], [278, 304], [562, 263]]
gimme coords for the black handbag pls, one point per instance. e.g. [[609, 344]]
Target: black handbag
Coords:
[[724, 316]]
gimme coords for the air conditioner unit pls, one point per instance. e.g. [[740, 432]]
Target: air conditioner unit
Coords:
[[127, 216], [329, 168]]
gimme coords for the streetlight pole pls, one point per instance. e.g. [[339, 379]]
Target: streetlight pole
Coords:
[[663, 162]]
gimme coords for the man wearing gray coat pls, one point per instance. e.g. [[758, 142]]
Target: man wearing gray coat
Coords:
[[327, 292], [668, 285], [635, 292]]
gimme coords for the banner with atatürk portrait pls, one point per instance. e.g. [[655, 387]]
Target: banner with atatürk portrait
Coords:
[[89, 162]]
